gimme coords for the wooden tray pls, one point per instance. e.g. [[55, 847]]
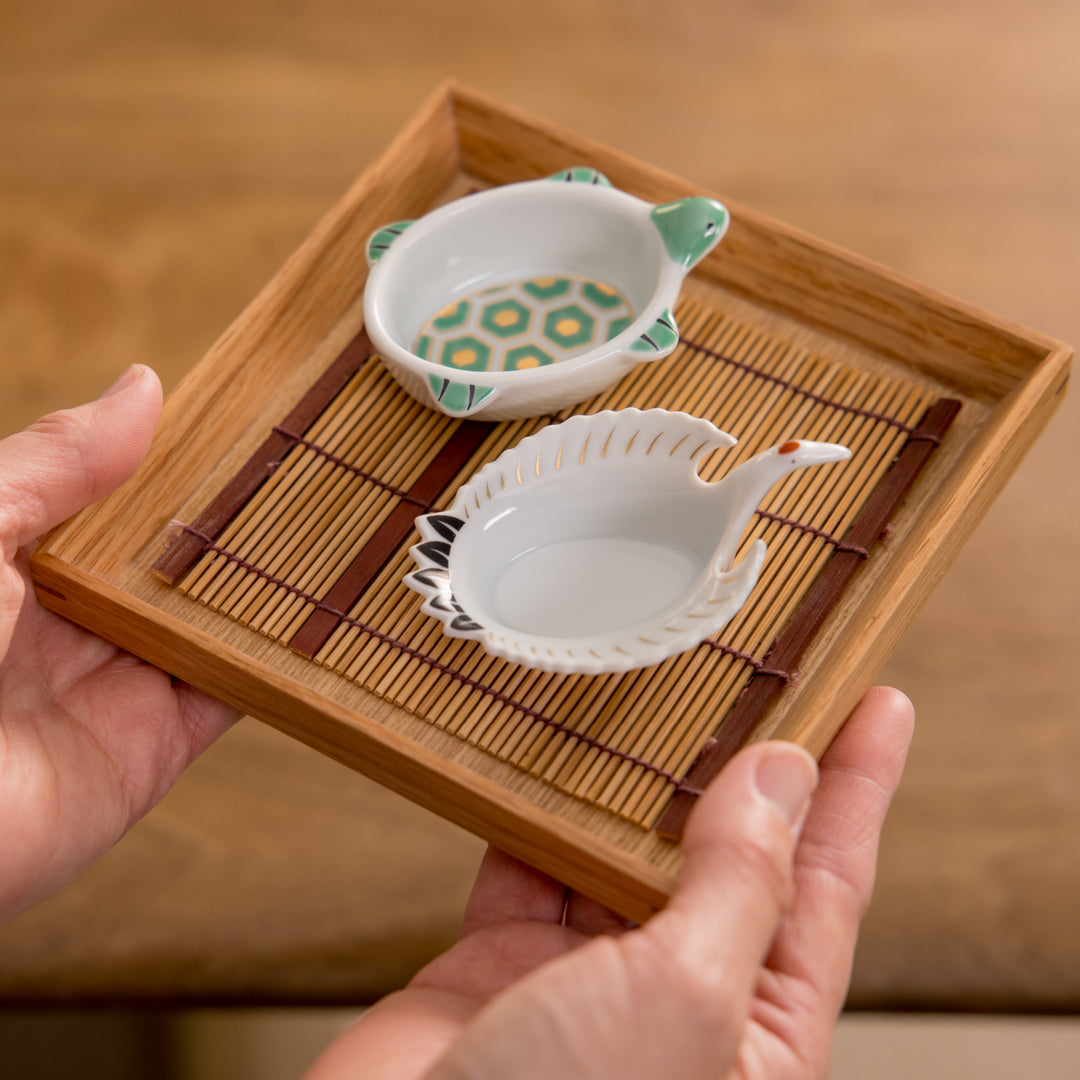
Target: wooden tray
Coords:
[[554, 771]]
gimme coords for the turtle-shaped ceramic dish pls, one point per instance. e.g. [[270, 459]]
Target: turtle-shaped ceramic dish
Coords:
[[594, 546], [525, 298]]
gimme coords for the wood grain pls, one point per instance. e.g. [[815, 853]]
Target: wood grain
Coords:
[[158, 170]]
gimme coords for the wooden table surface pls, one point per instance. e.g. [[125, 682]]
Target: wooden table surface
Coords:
[[158, 162]]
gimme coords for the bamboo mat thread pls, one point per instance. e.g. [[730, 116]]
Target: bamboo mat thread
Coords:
[[310, 542]]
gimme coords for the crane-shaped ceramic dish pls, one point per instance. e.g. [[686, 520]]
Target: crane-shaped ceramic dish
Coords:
[[594, 545], [525, 298]]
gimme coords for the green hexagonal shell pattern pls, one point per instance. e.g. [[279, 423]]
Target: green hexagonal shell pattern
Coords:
[[524, 324]]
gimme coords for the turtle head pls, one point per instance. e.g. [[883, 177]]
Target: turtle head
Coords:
[[691, 228]]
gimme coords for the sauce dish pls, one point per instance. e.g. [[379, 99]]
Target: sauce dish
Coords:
[[525, 298], [594, 545]]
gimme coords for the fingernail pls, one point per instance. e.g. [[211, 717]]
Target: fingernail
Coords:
[[128, 378], [786, 778]]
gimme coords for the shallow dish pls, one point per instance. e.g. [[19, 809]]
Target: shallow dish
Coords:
[[528, 297], [594, 546]]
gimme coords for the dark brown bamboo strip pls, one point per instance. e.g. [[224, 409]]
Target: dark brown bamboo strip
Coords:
[[254, 527], [323, 485], [265, 502], [185, 552], [790, 646], [461, 446], [330, 551]]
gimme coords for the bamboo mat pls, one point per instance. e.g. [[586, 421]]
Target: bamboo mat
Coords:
[[309, 543]]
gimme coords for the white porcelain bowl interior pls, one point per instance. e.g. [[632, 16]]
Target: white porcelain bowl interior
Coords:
[[509, 235]]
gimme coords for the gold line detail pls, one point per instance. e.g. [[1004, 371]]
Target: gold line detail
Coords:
[[694, 453], [677, 445], [558, 458], [653, 443], [519, 472], [632, 438], [603, 453], [585, 447], [538, 463]]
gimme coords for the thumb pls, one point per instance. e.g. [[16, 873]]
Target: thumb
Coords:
[[70, 459], [735, 886]]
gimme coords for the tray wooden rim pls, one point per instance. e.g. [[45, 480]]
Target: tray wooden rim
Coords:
[[1025, 374]]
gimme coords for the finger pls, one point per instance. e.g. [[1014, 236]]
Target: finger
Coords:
[[507, 889], [837, 854], [70, 459], [737, 870]]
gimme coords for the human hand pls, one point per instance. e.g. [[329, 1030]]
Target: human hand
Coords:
[[742, 975], [90, 737]]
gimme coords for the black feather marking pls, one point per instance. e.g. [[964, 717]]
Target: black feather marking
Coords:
[[432, 578], [446, 525], [436, 551]]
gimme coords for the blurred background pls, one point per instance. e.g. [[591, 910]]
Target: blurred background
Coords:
[[157, 164]]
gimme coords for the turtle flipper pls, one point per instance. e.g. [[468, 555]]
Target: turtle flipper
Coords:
[[691, 228], [380, 240], [660, 339], [580, 174], [458, 399]]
